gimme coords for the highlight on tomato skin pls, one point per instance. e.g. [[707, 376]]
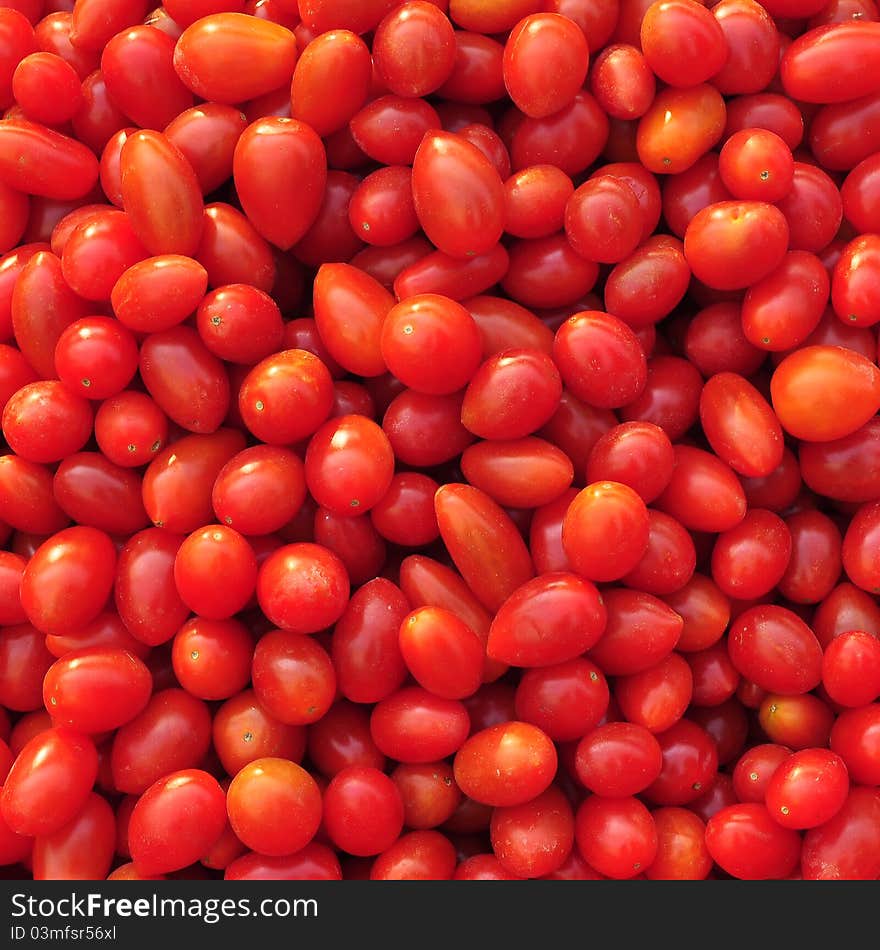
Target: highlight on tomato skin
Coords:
[[440, 440]]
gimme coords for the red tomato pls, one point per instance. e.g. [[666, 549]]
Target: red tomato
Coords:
[[161, 835], [231, 57], [280, 173], [447, 161], [849, 47], [822, 393]]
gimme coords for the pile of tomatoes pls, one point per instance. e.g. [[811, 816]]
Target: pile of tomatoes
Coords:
[[440, 439]]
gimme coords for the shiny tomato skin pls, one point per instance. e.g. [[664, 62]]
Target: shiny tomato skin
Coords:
[[821, 393], [274, 806], [178, 481], [280, 174], [83, 849], [807, 789], [700, 475], [682, 42], [68, 580], [53, 761], [740, 425], [616, 836], [695, 123], [773, 647], [161, 194], [748, 844], [186, 380], [534, 839], [847, 846], [851, 668], [159, 292], [566, 700], [96, 690], [732, 244], [531, 42], [848, 49], [505, 765], [144, 590], [365, 647], [232, 57], [350, 308], [339, 60], [172, 732], [600, 359], [781, 311], [613, 512], [548, 620], [484, 543], [447, 161], [161, 835], [315, 862], [137, 65], [40, 161], [363, 811], [640, 631], [303, 587], [414, 726]]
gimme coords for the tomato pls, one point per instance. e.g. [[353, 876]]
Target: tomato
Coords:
[[511, 395], [804, 64], [39, 161], [846, 846], [44, 421], [567, 605], [231, 57], [50, 782], [733, 244], [613, 512], [68, 580], [288, 155], [798, 286], [748, 844], [96, 690], [535, 838], [431, 344], [756, 164], [413, 726], [622, 81], [26, 659], [441, 652], [188, 382], [852, 291], [533, 41], [682, 42], [851, 669], [177, 283], [815, 563], [172, 222], [483, 542], [444, 160], [363, 811], [96, 357], [822, 393], [807, 789], [172, 732], [505, 765], [274, 806], [753, 48], [161, 835], [314, 862], [82, 849], [680, 126], [616, 836], [137, 65], [232, 250]]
